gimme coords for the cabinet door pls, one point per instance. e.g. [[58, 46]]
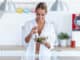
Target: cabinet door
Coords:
[[69, 58], [0, 52]]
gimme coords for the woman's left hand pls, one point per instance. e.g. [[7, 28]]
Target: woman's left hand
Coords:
[[46, 44]]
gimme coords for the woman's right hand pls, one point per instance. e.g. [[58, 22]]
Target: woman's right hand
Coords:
[[34, 30]]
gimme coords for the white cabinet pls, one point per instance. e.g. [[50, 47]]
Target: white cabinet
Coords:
[[12, 53], [66, 54]]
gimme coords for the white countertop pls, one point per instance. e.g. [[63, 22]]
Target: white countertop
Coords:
[[15, 47]]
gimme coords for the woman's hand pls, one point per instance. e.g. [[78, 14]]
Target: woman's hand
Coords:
[[46, 44], [34, 30]]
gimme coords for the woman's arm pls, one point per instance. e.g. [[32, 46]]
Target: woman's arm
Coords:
[[27, 39], [33, 31]]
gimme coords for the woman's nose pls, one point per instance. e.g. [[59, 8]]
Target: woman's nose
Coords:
[[40, 16]]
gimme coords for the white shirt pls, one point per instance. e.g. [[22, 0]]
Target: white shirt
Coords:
[[48, 31]]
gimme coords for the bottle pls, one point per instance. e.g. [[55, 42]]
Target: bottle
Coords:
[[72, 43]]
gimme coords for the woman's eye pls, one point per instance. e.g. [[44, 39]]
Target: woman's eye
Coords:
[[38, 14]]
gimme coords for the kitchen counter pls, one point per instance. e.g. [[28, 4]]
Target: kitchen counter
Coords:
[[66, 49], [7, 47]]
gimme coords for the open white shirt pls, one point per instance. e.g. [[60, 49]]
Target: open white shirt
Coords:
[[44, 52]]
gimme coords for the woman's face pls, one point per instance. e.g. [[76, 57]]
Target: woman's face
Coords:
[[40, 14]]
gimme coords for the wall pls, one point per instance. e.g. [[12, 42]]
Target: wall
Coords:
[[10, 29], [11, 26]]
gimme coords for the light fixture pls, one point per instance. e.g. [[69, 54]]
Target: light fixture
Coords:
[[59, 6], [2, 8]]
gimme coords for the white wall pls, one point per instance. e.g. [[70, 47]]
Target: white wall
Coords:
[[61, 20], [11, 26], [76, 37], [10, 23]]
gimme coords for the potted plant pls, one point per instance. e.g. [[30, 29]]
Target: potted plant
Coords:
[[63, 39]]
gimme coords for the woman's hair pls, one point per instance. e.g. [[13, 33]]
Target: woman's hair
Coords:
[[42, 5]]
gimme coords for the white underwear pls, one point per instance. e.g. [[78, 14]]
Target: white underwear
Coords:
[[36, 55]]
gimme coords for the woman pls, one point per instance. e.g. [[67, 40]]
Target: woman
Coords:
[[39, 50]]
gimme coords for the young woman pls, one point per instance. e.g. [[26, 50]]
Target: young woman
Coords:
[[39, 50]]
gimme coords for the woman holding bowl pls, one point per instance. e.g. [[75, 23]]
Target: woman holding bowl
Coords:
[[40, 35]]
